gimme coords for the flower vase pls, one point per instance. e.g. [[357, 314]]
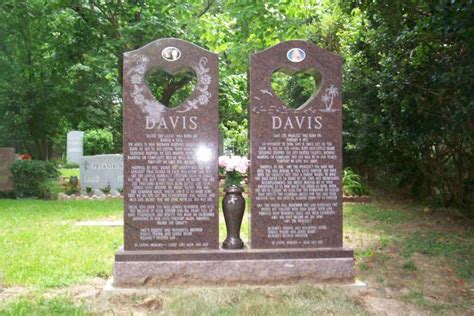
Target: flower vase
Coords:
[[233, 205]]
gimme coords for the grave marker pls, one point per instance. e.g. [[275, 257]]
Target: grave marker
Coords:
[[75, 149], [101, 170], [171, 182], [7, 158], [171, 176], [296, 154]]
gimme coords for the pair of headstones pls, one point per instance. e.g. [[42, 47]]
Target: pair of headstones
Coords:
[[171, 180]]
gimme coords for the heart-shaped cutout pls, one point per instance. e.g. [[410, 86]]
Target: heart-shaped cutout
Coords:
[[171, 90], [297, 89]]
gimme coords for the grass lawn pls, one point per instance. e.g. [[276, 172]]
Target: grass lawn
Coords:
[[41, 246], [41, 306], [420, 258], [59, 252], [70, 172], [419, 255]]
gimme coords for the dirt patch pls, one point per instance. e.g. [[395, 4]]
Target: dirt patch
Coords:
[[386, 306], [12, 293]]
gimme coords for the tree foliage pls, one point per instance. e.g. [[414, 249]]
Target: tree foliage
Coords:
[[409, 104], [98, 141], [408, 69]]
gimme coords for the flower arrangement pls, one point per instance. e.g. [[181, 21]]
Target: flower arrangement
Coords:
[[25, 157], [235, 167]]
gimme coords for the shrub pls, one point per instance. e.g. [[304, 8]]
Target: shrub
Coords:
[[106, 189], [353, 184], [7, 195], [34, 178], [98, 141]]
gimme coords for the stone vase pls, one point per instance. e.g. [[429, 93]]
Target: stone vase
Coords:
[[233, 205]]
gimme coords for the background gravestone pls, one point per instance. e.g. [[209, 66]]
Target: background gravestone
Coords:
[[171, 181], [7, 158], [296, 154], [101, 170], [75, 149]]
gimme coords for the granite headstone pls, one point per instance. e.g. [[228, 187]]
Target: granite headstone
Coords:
[[171, 176], [296, 154], [75, 149], [7, 158], [171, 181], [100, 171]]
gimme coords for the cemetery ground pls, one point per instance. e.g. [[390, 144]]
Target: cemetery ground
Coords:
[[413, 260]]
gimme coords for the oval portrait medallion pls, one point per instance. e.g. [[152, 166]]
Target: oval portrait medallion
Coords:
[[296, 55], [171, 53]]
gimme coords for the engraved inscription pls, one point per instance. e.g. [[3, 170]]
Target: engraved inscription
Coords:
[[296, 184]]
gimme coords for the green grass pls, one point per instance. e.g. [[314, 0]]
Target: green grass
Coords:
[[300, 300], [452, 246], [409, 266], [42, 306], [389, 224], [386, 217], [401, 246], [41, 246], [70, 172]]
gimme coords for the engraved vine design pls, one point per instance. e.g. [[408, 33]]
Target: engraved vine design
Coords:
[[327, 98], [204, 80]]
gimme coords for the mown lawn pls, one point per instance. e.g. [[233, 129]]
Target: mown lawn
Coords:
[[418, 257], [40, 244]]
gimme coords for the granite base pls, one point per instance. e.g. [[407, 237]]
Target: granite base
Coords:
[[222, 268]]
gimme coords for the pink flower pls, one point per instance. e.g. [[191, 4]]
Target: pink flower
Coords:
[[243, 165], [223, 160], [232, 163]]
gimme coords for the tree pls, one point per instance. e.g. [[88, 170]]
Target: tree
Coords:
[[409, 104]]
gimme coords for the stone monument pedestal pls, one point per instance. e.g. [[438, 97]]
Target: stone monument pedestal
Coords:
[[171, 220], [231, 267]]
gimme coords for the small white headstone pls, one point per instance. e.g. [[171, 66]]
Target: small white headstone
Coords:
[[75, 149]]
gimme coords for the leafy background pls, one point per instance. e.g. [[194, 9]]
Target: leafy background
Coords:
[[408, 69]]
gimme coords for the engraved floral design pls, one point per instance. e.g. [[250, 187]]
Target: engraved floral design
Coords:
[[136, 79], [204, 80], [153, 108]]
